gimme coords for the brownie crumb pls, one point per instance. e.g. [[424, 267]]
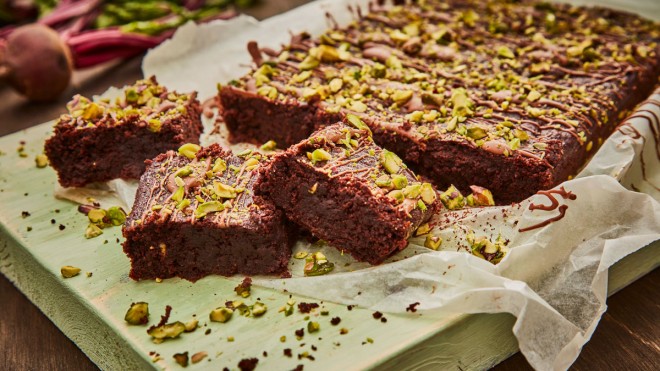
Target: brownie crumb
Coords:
[[243, 289], [288, 353], [265, 354], [53, 221], [62, 227], [307, 307], [335, 321], [300, 333], [208, 331], [383, 320], [314, 348], [248, 364], [24, 214], [412, 307], [163, 318], [349, 307], [298, 368], [181, 359], [377, 315], [29, 229]]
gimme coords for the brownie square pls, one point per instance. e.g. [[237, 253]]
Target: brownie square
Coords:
[[195, 214], [108, 139], [348, 191]]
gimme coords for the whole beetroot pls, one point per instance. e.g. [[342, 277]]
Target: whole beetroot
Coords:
[[36, 62]]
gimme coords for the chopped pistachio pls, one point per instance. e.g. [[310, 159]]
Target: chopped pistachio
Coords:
[[540, 146], [96, 215], [93, 231], [313, 327], [336, 85], [390, 161], [533, 96], [399, 181], [154, 125], [183, 204], [219, 166], [451, 125], [402, 97], [384, 181], [319, 155], [433, 242], [313, 188], [505, 52], [482, 196], [358, 106], [269, 146], [428, 193], [167, 331], [191, 325], [301, 254], [258, 309], [520, 134], [179, 182], [137, 314], [183, 172], [326, 53], [223, 190], [221, 315], [423, 229], [317, 264], [208, 207], [92, 111], [476, 132], [189, 150], [452, 198], [177, 196], [394, 62], [421, 205], [309, 63], [116, 215], [69, 271], [396, 195], [41, 160], [251, 164], [412, 191], [357, 122], [462, 105]]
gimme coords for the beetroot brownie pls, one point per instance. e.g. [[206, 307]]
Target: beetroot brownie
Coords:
[[108, 139], [511, 96], [195, 214], [346, 190]]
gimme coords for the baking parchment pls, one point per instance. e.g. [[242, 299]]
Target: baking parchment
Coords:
[[554, 279]]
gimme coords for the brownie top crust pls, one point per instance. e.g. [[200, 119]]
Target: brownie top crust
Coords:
[[348, 150], [208, 186], [511, 78], [143, 102]]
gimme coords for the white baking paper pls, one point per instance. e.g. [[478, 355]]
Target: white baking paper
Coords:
[[554, 279]]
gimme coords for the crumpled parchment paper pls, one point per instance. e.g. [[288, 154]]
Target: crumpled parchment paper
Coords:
[[554, 279]]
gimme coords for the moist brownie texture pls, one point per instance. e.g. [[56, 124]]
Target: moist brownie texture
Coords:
[[195, 214], [346, 190], [111, 138], [511, 96]]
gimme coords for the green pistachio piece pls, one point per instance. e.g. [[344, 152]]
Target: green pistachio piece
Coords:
[[412, 191], [96, 215], [167, 331], [154, 125], [317, 264], [183, 172], [402, 97], [379, 71], [390, 161], [267, 91], [394, 62], [505, 52], [533, 96], [69, 271], [384, 181], [189, 150], [309, 63], [93, 231], [221, 315], [116, 215], [313, 327], [421, 205], [433, 242], [131, 95], [208, 207], [482, 196], [476, 132], [452, 198], [219, 166], [423, 229], [183, 204], [461, 103], [357, 122], [336, 85], [41, 160], [397, 195], [92, 111], [269, 146], [399, 181], [320, 154], [428, 193], [251, 163], [179, 182], [177, 196], [258, 309], [301, 255], [224, 190], [327, 53], [453, 122], [137, 314], [521, 134], [358, 106]]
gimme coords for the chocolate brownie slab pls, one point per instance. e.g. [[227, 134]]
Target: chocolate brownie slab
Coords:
[[195, 214], [510, 96], [111, 138]]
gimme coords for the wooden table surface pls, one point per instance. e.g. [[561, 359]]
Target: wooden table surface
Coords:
[[628, 336]]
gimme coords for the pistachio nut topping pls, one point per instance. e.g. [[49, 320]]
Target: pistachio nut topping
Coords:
[[137, 314]]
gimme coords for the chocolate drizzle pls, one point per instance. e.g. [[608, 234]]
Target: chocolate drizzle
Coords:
[[554, 204]]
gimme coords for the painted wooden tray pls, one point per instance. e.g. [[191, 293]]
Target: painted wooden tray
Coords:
[[39, 234]]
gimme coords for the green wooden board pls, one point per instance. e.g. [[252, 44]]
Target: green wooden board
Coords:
[[90, 310]]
